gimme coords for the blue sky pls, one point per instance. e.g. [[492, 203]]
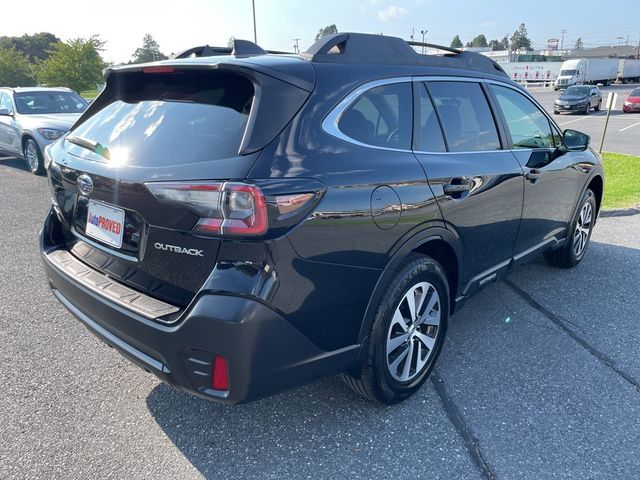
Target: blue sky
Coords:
[[179, 25]]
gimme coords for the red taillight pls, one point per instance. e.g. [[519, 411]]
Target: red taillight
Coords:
[[159, 69], [220, 373], [228, 208]]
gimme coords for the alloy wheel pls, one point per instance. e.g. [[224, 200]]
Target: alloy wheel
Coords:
[[583, 228], [31, 155], [413, 332]]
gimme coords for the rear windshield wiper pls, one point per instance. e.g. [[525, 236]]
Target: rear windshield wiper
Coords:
[[95, 147]]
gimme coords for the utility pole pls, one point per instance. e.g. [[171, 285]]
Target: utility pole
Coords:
[[562, 40], [255, 31], [413, 32], [424, 33], [296, 46], [620, 40]]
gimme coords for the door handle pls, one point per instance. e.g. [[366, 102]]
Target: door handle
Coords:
[[462, 185], [532, 175]]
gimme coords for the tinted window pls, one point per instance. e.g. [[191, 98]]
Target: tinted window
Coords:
[[466, 118], [168, 119], [381, 117], [33, 103], [528, 126], [429, 134]]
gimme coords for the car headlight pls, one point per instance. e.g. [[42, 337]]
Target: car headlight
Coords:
[[50, 133], [627, 104]]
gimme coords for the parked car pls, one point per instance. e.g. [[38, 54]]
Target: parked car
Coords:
[[31, 118], [244, 222], [578, 99], [632, 102]]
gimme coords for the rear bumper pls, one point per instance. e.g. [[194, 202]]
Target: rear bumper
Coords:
[[265, 353]]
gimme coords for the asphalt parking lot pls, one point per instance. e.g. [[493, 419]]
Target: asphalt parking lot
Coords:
[[539, 378], [623, 131]]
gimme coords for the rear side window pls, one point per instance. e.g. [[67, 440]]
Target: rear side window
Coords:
[[528, 126], [466, 118], [381, 117], [174, 118], [429, 134]]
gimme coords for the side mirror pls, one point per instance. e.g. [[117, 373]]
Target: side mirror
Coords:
[[5, 113], [575, 141]]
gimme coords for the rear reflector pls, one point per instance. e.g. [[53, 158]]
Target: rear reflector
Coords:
[[220, 374]]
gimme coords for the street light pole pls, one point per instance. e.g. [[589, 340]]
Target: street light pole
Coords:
[[424, 33], [255, 31]]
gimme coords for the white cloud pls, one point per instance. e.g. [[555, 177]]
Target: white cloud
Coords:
[[392, 13], [488, 24]]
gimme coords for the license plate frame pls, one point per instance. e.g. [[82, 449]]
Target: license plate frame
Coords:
[[105, 223]]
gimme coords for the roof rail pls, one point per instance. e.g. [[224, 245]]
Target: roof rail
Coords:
[[240, 48], [434, 46], [362, 48]]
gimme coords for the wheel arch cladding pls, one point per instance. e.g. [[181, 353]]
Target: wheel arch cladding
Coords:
[[445, 255], [597, 187]]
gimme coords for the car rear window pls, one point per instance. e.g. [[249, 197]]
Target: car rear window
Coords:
[[162, 119]]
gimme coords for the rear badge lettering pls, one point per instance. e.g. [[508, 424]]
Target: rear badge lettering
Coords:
[[175, 249]]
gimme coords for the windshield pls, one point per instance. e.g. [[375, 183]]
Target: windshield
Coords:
[[567, 73], [577, 91], [168, 119], [635, 93], [35, 103]]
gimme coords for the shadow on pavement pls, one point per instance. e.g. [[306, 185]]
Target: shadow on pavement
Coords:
[[322, 430], [14, 162]]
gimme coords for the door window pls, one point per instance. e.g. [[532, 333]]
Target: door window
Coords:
[[466, 118], [430, 137], [528, 126], [381, 117]]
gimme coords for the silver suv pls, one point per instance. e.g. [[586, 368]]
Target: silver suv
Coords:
[[33, 117]]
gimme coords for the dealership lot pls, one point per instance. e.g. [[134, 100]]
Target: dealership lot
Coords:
[[538, 379], [623, 131]]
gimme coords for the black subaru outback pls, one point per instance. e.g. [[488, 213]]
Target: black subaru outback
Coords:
[[238, 222]]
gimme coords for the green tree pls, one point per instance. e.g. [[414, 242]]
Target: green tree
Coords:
[[520, 39], [35, 47], [479, 42], [504, 43], [328, 30], [579, 45], [149, 52], [15, 70], [76, 64], [456, 42]]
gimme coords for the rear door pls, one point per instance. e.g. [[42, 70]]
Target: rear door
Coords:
[[139, 178], [552, 177], [479, 186]]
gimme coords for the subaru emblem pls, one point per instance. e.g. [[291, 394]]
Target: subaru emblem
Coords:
[[85, 184]]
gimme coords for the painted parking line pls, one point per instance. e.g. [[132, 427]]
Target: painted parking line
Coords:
[[629, 126], [582, 118]]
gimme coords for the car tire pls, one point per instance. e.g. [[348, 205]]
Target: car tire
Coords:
[[33, 157], [575, 247], [598, 106], [587, 108], [404, 340], [556, 112]]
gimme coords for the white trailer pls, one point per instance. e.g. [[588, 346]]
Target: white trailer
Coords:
[[581, 71], [532, 72], [628, 70]]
